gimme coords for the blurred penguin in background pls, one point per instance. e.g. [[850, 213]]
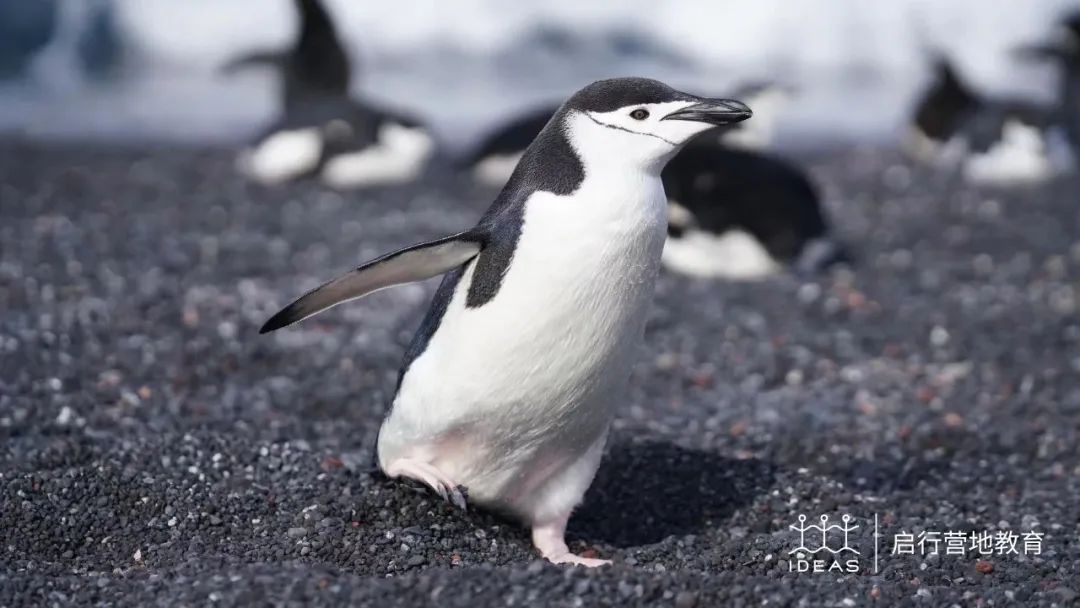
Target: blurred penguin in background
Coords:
[[1064, 51], [322, 130], [990, 141], [25, 29], [494, 158], [735, 212], [743, 215], [61, 42]]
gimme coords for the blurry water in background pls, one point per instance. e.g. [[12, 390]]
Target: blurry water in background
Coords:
[[466, 64]]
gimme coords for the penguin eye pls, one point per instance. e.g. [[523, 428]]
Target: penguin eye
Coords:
[[639, 114]]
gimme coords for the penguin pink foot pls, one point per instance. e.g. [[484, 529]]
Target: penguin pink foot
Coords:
[[550, 540]]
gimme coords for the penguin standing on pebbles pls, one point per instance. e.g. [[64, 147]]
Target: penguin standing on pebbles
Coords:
[[322, 130], [991, 141], [511, 383]]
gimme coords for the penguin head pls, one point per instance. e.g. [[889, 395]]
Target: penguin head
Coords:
[[641, 121]]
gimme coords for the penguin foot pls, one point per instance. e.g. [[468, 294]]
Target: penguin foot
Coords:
[[427, 474], [577, 560], [550, 540]]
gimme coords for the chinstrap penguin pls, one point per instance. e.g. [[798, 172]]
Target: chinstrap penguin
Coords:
[[741, 215], [323, 130], [493, 159], [990, 141], [511, 382]]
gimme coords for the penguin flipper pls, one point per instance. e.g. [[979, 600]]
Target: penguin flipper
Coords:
[[407, 265]]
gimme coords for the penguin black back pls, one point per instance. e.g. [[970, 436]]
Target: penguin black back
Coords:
[[727, 189]]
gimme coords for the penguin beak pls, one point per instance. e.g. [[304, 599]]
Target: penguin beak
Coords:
[[713, 111]]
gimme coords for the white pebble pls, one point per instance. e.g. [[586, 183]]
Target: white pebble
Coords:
[[939, 336], [65, 416]]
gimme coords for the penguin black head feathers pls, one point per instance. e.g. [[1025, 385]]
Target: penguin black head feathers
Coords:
[[614, 94], [598, 118]]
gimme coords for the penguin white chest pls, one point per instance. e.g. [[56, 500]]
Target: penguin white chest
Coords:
[[398, 155], [532, 376]]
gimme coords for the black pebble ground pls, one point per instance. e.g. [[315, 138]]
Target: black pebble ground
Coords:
[[155, 450]]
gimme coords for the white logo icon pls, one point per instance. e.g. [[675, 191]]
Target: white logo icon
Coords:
[[832, 541]]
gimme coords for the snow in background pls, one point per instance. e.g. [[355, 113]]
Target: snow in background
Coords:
[[464, 65]]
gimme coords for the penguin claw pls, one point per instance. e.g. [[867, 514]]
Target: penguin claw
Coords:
[[433, 478], [458, 496]]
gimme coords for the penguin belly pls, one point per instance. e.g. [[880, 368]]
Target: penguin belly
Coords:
[[282, 156], [734, 254], [399, 155], [513, 399]]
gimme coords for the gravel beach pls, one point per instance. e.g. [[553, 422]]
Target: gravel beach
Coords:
[[155, 450]]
